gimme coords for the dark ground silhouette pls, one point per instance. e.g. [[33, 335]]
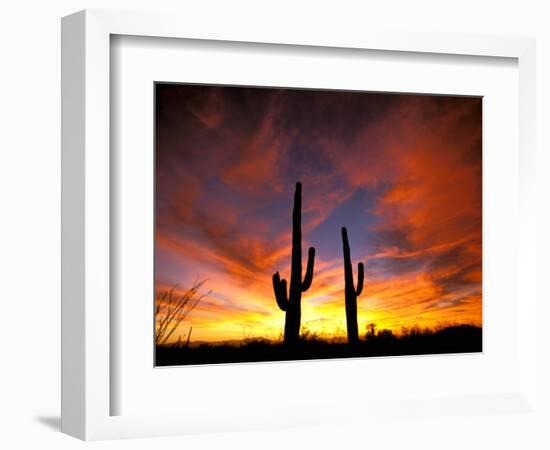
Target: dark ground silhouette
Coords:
[[413, 341]]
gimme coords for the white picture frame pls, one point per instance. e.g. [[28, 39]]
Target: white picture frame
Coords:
[[86, 219]]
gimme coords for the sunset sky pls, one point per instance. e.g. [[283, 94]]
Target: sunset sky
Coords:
[[401, 172]]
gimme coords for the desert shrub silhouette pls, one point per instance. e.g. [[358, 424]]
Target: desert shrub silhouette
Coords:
[[172, 309], [291, 302]]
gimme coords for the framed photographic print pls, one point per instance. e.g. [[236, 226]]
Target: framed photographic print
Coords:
[[401, 171], [251, 214]]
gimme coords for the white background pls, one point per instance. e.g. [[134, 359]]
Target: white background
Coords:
[[29, 229]]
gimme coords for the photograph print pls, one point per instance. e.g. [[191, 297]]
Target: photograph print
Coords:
[[303, 224]]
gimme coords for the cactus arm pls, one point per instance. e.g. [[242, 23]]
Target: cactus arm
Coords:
[[360, 278], [309, 271], [279, 288]]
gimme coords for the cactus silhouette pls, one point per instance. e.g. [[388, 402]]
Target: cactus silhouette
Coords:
[[291, 302], [351, 292]]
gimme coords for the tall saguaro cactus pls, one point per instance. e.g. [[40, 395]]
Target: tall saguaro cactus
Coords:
[[291, 302], [351, 292]]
